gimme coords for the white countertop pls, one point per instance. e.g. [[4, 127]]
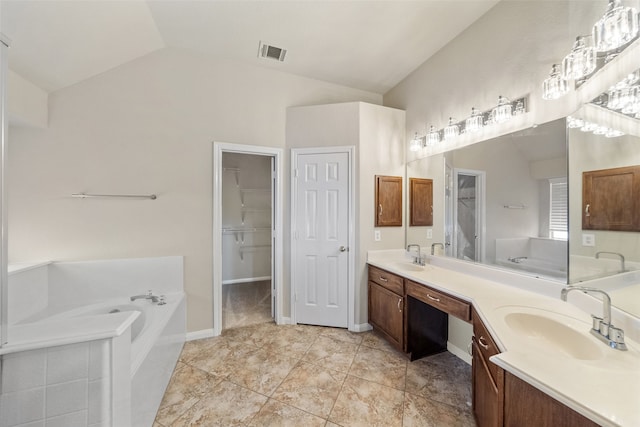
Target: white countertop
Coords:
[[606, 390]]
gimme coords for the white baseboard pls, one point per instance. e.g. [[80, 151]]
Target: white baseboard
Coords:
[[246, 280], [285, 321], [459, 353], [361, 327], [197, 335]]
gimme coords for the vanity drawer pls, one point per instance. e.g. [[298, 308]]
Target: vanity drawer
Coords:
[[440, 300], [486, 345], [386, 280]]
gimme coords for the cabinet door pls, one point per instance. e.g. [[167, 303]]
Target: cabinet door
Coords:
[[488, 396], [388, 201], [611, 199], [421, 202], [525, 405], [386, 313]]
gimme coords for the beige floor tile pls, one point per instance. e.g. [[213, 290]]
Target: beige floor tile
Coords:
[[246, 304], [311, 388], [226, 405], [365, 403], [422, 412], [331, 354], [260, 370], [293, 341], [257, 335], [442, 377], [186, 387], [277, 414], [342, 335], [379, 366], [219, 360], [373, 340]]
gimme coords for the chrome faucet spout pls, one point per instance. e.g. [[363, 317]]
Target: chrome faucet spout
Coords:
[[433, 247], [417, 259], [622, 269], [602, 327], [148, 295]]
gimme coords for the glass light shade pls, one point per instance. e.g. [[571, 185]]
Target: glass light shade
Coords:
[[580, 62], [632, 105], [601, 130], [433, 137], [519, 109], [612, 133], [474, 122], [554, 86], [415, 143], [574, 122], [502, 112], [452, 130], [617, 27], [588, 127]]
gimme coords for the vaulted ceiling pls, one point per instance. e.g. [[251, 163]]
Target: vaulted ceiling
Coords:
[[363, 44]]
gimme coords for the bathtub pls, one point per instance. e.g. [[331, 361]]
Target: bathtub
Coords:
[[539, 267], [146, 328]]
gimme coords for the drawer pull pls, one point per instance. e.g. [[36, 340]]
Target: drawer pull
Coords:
[[399, 302], [382, 279], [433, 298], [482, 343]]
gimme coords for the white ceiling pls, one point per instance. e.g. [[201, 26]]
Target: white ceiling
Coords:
[[363, 44]]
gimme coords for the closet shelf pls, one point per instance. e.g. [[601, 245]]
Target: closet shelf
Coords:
[[245, 211], [260, 192], [239, 233]]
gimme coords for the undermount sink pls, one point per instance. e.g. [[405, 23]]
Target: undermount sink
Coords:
[[554, 330], [408, 266]]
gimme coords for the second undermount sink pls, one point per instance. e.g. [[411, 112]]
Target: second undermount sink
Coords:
[[553, 330], [408, 266]]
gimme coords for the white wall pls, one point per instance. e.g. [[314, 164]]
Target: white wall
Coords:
[[26, 103], [146, 127]]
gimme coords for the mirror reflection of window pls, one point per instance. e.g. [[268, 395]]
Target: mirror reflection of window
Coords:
[[558, 209]]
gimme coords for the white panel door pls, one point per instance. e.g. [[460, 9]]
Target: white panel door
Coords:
[[321, 239]]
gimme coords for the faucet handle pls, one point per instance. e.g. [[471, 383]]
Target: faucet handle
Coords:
[[149, 292], [162, 300], [616, 335], [597, 321]]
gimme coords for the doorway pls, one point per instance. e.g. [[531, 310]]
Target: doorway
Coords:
[[322, 266], [468, 206], [247, 235]]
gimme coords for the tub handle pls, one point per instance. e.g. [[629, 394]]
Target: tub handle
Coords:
[[162, 300]]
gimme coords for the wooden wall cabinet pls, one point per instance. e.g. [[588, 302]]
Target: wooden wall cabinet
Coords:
[[611, 199], [487, 378], [387, 305], [420, 202], [388, 197]]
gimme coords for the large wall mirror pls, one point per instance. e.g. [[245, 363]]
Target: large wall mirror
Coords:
[[502, 202]]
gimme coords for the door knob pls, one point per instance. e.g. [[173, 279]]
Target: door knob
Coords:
[[343, 249]]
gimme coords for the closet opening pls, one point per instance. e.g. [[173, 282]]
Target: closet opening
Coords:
[[247, 224], [247, 236]]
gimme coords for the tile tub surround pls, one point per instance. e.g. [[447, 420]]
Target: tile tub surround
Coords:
[[250, 376], [571, 381]]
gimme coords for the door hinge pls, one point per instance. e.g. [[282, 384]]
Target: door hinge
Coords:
[[295, 173]]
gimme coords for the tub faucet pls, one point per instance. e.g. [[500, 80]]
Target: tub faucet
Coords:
[[602, 327], [433, 247], [148, 295], [417, 259], [616, 254]]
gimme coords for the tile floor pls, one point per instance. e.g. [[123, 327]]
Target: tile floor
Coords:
[[268, 375], [246, 304]]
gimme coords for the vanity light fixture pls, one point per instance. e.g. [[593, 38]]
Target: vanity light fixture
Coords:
[[416, 143], [503, 111], [624, 96], [452, 130], [433, 137], [617, 27], [580, 62], [597, 129], [474, 122], [555, 85]]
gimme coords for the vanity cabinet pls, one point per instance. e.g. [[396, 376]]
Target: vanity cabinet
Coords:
[[525, 405], [387, 305], [388, 195], [487, 378]]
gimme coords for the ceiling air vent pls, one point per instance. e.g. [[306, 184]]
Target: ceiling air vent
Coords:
[[271, 52]]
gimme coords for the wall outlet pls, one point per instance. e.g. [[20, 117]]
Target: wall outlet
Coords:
[[376, 235], [429, 233], [588, 239]]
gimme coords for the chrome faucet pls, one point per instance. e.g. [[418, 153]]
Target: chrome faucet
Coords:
[[433, 247], [602, 327], [149, 295], [616, 254], [417, 259]]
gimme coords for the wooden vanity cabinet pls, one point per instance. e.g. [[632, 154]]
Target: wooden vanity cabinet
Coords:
[[388, 201], [387, 305], [487, 378], [525, 405]]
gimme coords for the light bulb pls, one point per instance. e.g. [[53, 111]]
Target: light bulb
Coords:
[[433, 137], [554, 86], [452, 130], [580, 62], [474, 122], [415, 144], [617, 27], [502, 112]]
